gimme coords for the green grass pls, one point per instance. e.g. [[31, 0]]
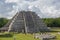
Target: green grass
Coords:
[[19, 37], [25, 37], [55, 28], [22, 36], [56, 34]]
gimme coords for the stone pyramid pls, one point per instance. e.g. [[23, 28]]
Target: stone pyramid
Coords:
[[27, 22]]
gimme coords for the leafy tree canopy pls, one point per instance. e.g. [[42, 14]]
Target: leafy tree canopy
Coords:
[[3, 21], [52, 22]]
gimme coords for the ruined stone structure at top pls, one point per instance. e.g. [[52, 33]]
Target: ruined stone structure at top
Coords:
[[27, 22]]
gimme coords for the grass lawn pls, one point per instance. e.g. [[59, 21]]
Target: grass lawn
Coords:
[[56, 34], [55, 28], [19, 37], [22, 36]]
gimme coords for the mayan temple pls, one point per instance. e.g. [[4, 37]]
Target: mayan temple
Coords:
[[26, 22]]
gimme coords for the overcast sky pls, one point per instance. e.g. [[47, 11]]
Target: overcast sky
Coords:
[[44, 8]]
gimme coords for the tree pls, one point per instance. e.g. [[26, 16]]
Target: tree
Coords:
[[52, 22], [3, 21]]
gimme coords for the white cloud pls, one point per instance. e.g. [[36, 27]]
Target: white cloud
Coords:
[[44, 8], [9, 1], [50, 12]]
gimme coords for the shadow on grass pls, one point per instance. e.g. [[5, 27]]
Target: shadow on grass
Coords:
[[50, 31], [6, 35]]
